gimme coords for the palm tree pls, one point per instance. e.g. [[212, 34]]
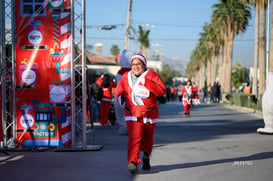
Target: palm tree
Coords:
[[114, 50], [206, 46], [255, 63], [221, 61], [260, 45], [198, 61], [234, 16], [89, 47], [262, 4], [143, 40], [212, 36], [271, 45]]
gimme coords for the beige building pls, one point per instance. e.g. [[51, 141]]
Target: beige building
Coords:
[[99, 64]]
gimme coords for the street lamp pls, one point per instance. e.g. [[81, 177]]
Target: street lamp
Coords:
[[147, 26]]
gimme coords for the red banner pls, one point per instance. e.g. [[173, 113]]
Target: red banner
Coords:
[[43, 77]]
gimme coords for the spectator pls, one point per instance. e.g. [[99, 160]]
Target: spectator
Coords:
[[106, 84], [168, 93], [172, 93]]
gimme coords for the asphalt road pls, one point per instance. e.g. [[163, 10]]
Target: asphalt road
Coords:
[[217, 143]]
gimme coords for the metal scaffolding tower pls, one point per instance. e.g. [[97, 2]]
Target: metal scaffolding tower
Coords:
[[78, 57], [8, 73]]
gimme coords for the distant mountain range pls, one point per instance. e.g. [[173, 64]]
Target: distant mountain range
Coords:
[[176, 64]]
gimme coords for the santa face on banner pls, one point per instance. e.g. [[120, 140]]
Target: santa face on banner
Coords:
[[56, 3]]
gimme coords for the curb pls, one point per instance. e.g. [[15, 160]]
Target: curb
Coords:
[[247, 109]]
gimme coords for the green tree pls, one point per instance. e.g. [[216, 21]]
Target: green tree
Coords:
[[211, 39], [196, 67], [89, 47], [115, 50], [167, 74], [156, 56], [239, 75], [143, 39], [234, 17], [260, 44], [261, 4]]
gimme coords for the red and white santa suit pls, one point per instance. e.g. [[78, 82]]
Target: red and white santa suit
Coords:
[[196, 94], [141, 110], [125, 64], [105, 103], [187, 92]]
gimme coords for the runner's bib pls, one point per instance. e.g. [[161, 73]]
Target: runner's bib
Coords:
[[142, 92]]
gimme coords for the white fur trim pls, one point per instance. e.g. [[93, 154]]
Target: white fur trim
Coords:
[[134, 88], [140, 57], [145, 119]]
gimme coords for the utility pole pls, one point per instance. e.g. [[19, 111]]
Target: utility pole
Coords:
[[128, 25]]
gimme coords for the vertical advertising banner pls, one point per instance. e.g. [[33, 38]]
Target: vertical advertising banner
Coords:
[[43, 77]]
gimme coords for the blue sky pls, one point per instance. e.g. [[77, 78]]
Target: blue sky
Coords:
[[175, 26]]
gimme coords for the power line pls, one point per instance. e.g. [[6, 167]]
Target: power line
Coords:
[[104, 27], [171, 25], [162, 39]]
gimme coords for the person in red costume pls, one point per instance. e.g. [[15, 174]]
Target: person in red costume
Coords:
[[107, 85], [125, 66], [187, 92], [138, 90], [196, 93]]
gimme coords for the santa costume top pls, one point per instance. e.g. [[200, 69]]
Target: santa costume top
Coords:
[[187, 92], [141, 95]]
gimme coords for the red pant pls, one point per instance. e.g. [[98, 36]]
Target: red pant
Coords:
[[187, 108], [140, 138], [104, 112]]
